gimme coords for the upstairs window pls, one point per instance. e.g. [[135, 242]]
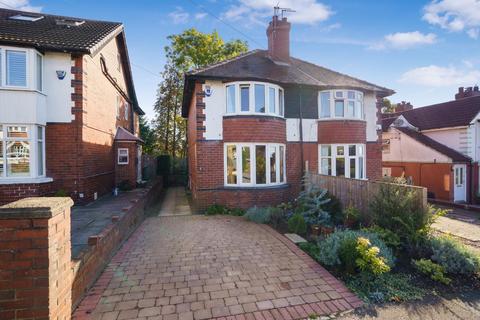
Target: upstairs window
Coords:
[[16, 68], [39, 73], [345, 104], [254, 98]]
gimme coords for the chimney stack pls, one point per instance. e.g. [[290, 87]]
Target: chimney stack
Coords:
[[467, 92], [278, 33], [404, 106]]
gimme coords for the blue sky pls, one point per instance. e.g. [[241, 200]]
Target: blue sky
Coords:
[[422, 49]]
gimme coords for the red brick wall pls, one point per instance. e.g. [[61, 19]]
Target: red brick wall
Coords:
[[14, 192], [374, 161], [35, 265], [342, 131], [126, 172], [254, 129]]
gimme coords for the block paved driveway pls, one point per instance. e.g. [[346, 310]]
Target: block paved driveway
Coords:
[[197, 267]]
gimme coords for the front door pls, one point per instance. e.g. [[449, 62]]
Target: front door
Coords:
[[459, 184]]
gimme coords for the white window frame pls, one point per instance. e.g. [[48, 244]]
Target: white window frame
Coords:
[[42, 72], [119, 104], [359, 102], [127, 109], [119, 154], [279, 112], [347, 158], [33, 140], [253, 168], [31, 69]]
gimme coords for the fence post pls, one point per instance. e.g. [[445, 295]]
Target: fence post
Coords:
[[35, 259]]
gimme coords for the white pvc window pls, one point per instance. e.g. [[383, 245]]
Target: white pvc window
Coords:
[[256, 98], [254, 164], [39, 72], [16, 68], [22, 151], [343, 160], [344, 104], [122, 156]]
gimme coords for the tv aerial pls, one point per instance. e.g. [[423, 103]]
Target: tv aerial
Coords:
[[277, 9]]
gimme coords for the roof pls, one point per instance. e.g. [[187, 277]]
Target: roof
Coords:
[[435, 145], [46, 34], [449, 114], [256, 65], [124, 135]]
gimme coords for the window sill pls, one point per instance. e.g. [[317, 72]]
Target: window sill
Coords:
[[25, 180], [22, 89], [257, 187], [342, 119], [253, 115]]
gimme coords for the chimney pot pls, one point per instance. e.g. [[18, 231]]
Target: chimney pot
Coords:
[[278, 34]]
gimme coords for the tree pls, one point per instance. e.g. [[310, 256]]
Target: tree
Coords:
[[189, 50], [388, 106], [147, 134]]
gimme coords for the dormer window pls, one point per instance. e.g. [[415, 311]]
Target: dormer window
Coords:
[[26, 17], [256, 98]]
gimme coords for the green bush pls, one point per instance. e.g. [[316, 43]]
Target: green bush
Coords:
[[310, 248], [61, 193], [334, 208], [454, 256], [236, 212], [297, 224], [390, 238], [435, 271], [351, 216], [368, 259], [311, 205], [277, 216], [329, 249], [386, 287], [258, 215], [348, 255], [216, 209]]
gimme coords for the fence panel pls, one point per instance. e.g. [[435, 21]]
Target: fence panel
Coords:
[[359, 193]]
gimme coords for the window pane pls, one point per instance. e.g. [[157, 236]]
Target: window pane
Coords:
[[39, 72], [17, 132], [351, 150], [260, 98], [271, 100], [260, 163], [338, 94], [2, 163], [360, 150], [351, 94], [326, 166], [339, 108], [273, 164], [40, 158], [282, 163], [340, 150], [351, 109], [245, 98], [246, 165], [359, 109], [230, 99], [282, 102], [352, 168], [231, 165], [340, 163], [325, 105], [326, 151], [18, 158], [361, 175], [16, 68]]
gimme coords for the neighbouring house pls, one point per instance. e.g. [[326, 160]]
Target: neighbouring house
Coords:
[[69, 117], [257, 121], [437, 147]]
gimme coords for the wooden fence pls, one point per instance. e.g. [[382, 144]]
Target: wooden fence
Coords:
[[359, 193]]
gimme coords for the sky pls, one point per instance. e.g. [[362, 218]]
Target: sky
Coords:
[[422, 49]]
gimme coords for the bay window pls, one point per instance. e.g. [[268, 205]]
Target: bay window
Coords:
[[345, 104], [21, 68], [22, 151], [256, 98], [343, 160], [254, 164]]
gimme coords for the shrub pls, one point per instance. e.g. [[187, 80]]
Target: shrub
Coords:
[[368, 259], [329, 249], [435, 271], [258, 215], [390, 238], [351, 216], [296, 224], [334, 208], [348, 255], [454, 256], [236, 212], [386, 287], [310, 248], [397, 209], [277, 216], [312, 202], [216, 209], [61, 193]]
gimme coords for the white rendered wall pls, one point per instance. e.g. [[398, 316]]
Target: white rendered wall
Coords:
[[59, 92], [309, 130], [215, 106], [370, 107]]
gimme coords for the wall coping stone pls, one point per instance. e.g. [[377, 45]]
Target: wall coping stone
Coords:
[[35, 208]]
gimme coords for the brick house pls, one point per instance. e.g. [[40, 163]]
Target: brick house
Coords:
[[437, 146], [69, 117], [255, 122]]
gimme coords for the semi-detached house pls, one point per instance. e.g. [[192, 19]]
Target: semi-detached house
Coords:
[[68, 110], [257, 121]]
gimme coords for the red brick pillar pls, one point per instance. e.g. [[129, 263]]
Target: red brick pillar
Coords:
[[35, 259]]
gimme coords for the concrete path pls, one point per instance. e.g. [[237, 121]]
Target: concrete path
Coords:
[[203, 267], [175, 203]]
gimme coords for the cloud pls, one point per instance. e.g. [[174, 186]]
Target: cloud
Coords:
[[200, 15], [436, 76], [404, 40], [179, 16], [255, 11], [23, 5], [454, 15]]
